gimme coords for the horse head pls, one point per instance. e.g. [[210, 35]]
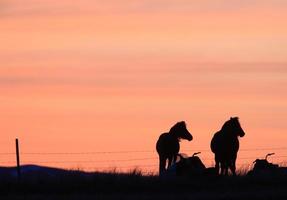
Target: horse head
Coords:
[[180, 131], [236, 127]]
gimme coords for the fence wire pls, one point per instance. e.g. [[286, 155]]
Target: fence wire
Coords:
[[117, 161]]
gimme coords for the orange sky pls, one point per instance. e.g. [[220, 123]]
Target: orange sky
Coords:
[[98, 76]]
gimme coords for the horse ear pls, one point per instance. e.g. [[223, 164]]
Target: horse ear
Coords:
[[182, 123]]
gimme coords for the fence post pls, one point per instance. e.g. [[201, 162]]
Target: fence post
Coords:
[[18, 159]]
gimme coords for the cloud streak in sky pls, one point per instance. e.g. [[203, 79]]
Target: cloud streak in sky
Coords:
[[174, 75], [52, 7]]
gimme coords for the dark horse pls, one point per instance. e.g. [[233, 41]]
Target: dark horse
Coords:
[[225, 145], [167, 145]]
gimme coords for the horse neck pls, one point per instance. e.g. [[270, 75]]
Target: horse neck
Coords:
[[174, 135], [228, 133]]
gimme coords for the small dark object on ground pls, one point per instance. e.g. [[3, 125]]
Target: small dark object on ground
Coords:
[[262, 167], [190, 167]]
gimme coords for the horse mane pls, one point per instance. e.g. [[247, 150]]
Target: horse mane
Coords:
[[227, 124], [177, 126]]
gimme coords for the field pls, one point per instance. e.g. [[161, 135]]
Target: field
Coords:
[[50, 183]]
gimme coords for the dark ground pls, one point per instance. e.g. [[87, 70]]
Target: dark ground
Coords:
[[49, 183]]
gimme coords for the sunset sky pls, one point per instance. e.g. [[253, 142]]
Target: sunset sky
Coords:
[[109, 75]]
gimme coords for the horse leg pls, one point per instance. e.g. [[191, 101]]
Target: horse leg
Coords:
[[224, 169], [170, 161], [216, 165], [227, 168], [162, 163], [233, 167]]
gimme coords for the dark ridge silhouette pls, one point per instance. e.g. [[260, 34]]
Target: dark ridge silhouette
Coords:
[[44, 183], [167, 145], [225, 145], [30, 171]]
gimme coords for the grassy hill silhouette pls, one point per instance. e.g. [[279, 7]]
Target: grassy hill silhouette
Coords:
[[60, 183]]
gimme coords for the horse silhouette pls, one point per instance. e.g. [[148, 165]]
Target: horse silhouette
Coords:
[[167, 145], [225, 145]]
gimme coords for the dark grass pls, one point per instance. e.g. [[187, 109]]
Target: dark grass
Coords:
[[74, 184]]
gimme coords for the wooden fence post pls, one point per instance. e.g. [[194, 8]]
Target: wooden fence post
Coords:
[[18, 159]]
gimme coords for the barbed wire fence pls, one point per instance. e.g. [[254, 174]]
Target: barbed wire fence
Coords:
[[118, 162]]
